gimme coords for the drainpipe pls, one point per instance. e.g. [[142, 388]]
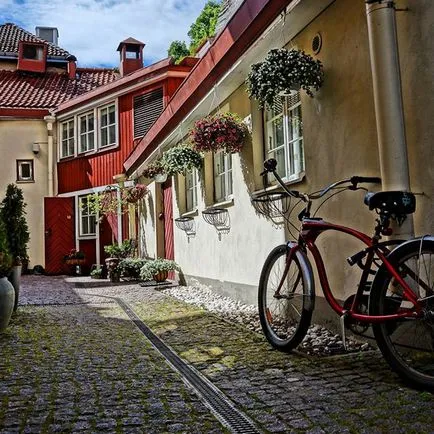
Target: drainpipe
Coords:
[[386, 78], [50, 121]]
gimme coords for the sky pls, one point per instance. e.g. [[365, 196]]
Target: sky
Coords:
[[92, 29]]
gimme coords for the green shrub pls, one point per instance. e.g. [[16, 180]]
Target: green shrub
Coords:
[[130, 267], [125, 250], [154, 266]]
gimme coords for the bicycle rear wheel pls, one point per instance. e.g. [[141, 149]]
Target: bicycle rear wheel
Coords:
[[408, 344], [286, 313]]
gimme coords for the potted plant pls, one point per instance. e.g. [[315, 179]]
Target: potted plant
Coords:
[[220, 131], [158, 269], [181, 159], [117, 252], [12, 212], [282, 72], [130, 268], [155, 171], [134, 194], [75, 257], [7, 292]]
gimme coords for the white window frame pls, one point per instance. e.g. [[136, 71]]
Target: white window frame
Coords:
[[20, 177], [87, 133], [101, 127], [293, 143], [84, 213], [223, 176], [193, 175], [68, 138]]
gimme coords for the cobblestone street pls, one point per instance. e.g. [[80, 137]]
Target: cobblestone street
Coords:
[[72, 360]]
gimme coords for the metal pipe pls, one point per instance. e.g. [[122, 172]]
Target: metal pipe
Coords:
[[386, 78], [50, 171]]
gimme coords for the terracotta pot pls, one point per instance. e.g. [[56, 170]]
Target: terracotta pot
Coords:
[[7, 300], [161, 276], [75, 261]]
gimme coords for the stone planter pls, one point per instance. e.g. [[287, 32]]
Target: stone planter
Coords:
[[161, 276], [7, 300], [112, 269], [15, 279]]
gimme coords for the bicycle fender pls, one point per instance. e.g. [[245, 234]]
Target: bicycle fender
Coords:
[[307, 268], [382, 272]]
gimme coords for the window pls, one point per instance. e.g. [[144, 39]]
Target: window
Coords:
[[67, 138], [107, 117], [25, 171], [87, 218], [191, 189], [147, 108], [86, 135], [284, 136], [222, 176]]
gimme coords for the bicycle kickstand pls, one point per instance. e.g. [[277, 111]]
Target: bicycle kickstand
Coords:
[[344, 336]]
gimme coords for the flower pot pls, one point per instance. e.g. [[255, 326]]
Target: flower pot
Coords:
[[75, 261], [15, 279], [7, 300], [161, 276], [160, 177]]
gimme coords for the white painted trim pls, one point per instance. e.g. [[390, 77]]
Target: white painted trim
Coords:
[[118, 195], [77, 222]]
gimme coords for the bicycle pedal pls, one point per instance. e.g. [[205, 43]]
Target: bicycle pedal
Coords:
[[344, 336]]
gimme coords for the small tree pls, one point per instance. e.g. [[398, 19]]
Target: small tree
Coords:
[[178, 50], [205, 24], [5, 257], [12, 212]]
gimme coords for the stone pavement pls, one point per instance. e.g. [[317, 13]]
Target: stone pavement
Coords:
[[73, 361]]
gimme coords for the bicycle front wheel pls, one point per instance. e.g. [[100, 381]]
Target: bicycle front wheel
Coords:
[[407, 344], [286, 298]]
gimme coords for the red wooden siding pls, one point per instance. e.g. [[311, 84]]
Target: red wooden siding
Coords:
[[169, 251], [97, 170], [59, 232]]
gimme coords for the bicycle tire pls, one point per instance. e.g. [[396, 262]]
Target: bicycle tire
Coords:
[[407, 345], [286, 326]]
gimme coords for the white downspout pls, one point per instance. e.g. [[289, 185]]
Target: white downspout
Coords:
[[50, 170], [386, 78]]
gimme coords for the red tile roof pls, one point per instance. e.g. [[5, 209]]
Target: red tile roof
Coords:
[[30, 91], [11, 35]]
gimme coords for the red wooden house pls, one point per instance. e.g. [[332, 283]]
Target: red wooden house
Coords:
[[96, 133]]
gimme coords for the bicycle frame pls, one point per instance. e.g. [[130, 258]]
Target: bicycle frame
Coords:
[[311, 229]]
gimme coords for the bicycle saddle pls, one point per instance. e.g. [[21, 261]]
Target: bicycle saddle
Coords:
[[392, 202]]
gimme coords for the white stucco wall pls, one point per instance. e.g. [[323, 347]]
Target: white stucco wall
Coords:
[[16, 139]]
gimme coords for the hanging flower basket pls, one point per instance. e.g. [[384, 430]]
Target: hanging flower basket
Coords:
[[282, 72], [221, 131], [134, 194], [181, 159], [153, 169]]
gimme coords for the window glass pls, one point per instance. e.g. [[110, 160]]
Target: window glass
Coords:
[[87, 218], [222, 176], [67, 145], [284, 135], [86, 123], [108, 125], [25, 170], [191, 186]]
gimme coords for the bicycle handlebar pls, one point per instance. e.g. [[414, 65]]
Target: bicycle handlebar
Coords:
[[271, 164]]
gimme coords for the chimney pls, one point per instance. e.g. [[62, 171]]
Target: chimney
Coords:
[[131, 55], [72, 67], [50, 34]]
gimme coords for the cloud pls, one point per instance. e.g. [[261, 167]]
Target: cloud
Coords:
[[92, 29]]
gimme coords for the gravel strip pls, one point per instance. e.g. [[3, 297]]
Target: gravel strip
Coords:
[[318, 340]]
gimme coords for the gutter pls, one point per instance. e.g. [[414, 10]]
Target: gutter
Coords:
[[389, 111]]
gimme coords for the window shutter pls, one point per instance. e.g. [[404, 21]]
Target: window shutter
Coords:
[[147, 108]]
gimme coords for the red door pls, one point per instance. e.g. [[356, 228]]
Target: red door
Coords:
[[169, 250], [59, 232]]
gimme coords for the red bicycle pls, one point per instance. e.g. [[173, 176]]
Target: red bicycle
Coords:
[[398, 303]]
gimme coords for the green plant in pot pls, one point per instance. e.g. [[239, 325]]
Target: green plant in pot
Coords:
[[13, 214], [181, 159], [116, 253], [155, 171], [158, 269], [7, 291], [282, 72]]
